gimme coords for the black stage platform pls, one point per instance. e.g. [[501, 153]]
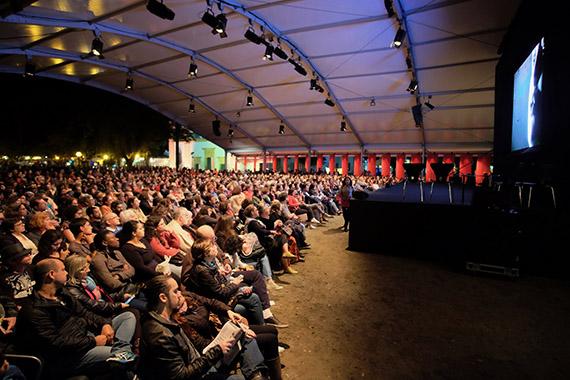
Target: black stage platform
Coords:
[[480, 225]]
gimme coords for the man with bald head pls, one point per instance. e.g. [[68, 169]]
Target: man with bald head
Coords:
[[252, 278], [71, 339]]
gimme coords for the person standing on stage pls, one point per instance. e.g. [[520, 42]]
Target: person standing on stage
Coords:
[[343, 196]]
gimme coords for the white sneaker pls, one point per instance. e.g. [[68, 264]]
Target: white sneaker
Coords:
[[271, 303], [280, 349], [314, 220], [313, 227]]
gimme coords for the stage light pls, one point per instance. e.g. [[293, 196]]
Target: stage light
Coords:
[[280, 53], [343, 125], [399, 38], [329, 102], [29, 69], [298, 67], [216, 127], [412, 87], [209, 19], [417, 112], [250, 35], [372, 103], [129, 84], [281, 129], [249, 102], [220, 27], [192, 107], [159, 9], [313, 84], [97, 46], [268, 53], [193, 70], [429, 105], [389, 8]]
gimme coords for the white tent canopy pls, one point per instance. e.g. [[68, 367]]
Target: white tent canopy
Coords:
[[450, 49]]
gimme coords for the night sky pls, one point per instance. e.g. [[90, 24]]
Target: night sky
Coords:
[[36, 111]]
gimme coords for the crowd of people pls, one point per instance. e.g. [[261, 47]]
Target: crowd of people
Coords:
[[137, 270]]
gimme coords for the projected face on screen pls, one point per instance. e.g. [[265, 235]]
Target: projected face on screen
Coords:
[[527, 101]]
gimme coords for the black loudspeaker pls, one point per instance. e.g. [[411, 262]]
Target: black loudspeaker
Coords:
[[216, 128], [359, 194], [417, 112]]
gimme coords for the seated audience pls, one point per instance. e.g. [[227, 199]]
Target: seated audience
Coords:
[[71, 340], [166, 352]]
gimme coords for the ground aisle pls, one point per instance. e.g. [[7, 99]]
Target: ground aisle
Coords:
[[366, 316]]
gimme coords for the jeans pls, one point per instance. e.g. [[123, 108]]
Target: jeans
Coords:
[[250, 358], [94, 360], [250, 307], [265, 267]]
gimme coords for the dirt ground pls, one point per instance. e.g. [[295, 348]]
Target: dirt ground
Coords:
[[368, 316]]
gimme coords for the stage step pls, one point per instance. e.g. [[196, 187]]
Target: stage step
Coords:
[[494, 269]]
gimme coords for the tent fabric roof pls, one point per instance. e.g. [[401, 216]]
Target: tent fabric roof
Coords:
[[450, 49]]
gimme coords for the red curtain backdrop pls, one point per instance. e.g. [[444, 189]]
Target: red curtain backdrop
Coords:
[[449, 159], [400, 173], [386, 165], [296, 165], [255, 163], [244, 163], [274, 164], [372, 164], [332, 168], [235, 164], [430, 159], [416, 159], [357, 164], [483, 166], [465, 164], [345, 164], [285, 159], [319, 162]]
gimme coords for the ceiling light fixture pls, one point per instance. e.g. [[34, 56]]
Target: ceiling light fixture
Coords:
[[193, 70], [343, 125], [250, 35], [249, 101], [372, 103], [298, 67], [429, 105], [329, 102], [221, 26], [192, 107], [160, 10], [97, 47], [129, 84], [281, 128], [29, 69], [412, 87], [279, 52], [268, 53], [389, 8], [399, 38]]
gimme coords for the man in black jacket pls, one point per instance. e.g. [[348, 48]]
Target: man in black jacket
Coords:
[[166, 352], [70, 339]]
